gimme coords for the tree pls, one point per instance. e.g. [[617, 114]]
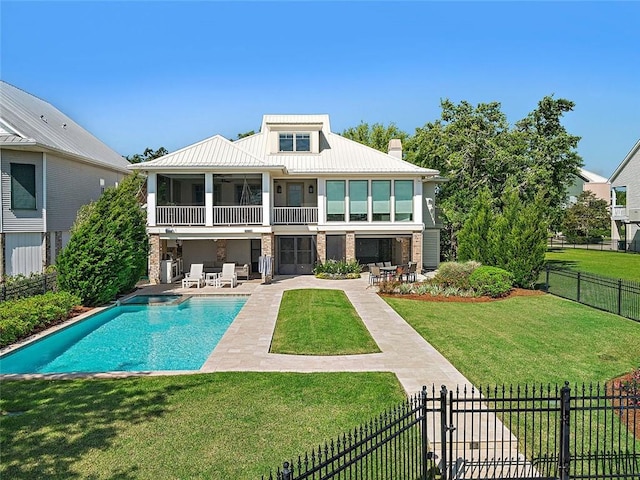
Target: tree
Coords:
[[246, 134], [375, 136], [475, 148], [588, 219], [148, 154], [108, 248], [474, 237]]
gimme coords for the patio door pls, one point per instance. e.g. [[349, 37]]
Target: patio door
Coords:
[[296, 255]]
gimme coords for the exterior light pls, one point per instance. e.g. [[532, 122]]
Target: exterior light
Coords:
[[310, 188], [279, 189]]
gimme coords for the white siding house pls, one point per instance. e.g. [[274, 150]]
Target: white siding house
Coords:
[[49, 168], [625, 201], [294, 191]]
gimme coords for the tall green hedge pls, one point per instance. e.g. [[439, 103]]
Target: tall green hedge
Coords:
[[107, 252]]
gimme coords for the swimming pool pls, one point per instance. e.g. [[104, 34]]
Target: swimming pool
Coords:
[[132, 338]]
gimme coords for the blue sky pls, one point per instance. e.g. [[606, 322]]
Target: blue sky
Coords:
[[149, 74]]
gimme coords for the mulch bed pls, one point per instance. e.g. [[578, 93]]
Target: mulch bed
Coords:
[[628, 417], [516, 292]]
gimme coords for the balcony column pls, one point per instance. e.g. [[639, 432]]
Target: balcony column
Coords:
[[416, 247], [208, 199], [417, 201], [151, 199], [266, 199], [321, 247], [350, 247], [154, 259]]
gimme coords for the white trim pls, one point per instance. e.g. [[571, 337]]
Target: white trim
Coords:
[[208, 199], [152, 187], [44, 192]]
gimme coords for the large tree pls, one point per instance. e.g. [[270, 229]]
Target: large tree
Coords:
[[107, 252], [474, 147], [375, 136]]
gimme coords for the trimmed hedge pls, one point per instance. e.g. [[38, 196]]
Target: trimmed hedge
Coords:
[[455, 274], [338, 269], [20, 318], [491, 281]]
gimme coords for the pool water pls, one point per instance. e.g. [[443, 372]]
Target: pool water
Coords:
[[132, 338], [151, 299]]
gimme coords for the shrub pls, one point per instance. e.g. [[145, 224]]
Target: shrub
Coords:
[[338, 269], [491, 281], [20, 318], [455, 274]]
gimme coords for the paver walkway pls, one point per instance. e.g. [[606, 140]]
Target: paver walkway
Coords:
[[245, 345]]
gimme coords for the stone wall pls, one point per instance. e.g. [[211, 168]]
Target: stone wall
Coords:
[[321, 247], [350, 246], [416, 247], [154, 259]]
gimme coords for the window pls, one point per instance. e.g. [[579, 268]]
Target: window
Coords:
[[358, 192], [404, 200], [23, 186], [381, 194], [335, 200], [298, 142]]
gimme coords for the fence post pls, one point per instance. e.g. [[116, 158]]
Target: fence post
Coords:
[[546, 283], [424, 439], [565, 455], [286, 471], [443, 432], [619, 296], [578, 299]]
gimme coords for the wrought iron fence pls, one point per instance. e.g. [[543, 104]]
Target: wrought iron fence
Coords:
[[28, 286], [538, 432], [618, 296], [631, 246]]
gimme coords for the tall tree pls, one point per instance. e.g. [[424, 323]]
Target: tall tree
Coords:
[[587, 219], [375, 136], [245, 134], [107, 251], [148, 154]]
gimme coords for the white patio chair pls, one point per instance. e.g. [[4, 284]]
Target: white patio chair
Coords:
[[228, 275], [194, 277]]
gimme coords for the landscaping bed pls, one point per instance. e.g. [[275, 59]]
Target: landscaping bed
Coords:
[[516, 292], [628, 388]]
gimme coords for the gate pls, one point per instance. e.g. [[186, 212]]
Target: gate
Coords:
[[538, 432]]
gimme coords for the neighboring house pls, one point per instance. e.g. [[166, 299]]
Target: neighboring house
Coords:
[[50, 167], [588, 181], [625, 201], [295, 191]]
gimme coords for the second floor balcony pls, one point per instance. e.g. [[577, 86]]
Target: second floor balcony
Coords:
[[619, 212], [234, 215]]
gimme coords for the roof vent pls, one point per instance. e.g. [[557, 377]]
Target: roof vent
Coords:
[[43, 118]]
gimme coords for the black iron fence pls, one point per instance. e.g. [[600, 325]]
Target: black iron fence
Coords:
[[632, 246], [618, 296], [28, 286], [543, 432]]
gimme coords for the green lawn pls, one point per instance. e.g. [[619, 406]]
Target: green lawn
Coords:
[[608, 264], [320, 322], [205, 426], [526, 339]]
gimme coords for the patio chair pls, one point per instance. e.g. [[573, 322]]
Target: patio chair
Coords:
[[228, 275], [375, 276], [411, 273], [194, 277], [387, 264]]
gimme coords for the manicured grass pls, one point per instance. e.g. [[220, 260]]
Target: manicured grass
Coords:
[[536, 339], [608, 264], [206, 426], [320, 322]]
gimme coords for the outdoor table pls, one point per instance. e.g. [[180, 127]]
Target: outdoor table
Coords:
[[212, 279]]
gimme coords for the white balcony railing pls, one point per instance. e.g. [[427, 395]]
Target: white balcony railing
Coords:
[[295, 215], [238, 215], [180, 215], [619, 213]]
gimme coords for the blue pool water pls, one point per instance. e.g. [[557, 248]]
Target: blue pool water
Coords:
[[132, 338]]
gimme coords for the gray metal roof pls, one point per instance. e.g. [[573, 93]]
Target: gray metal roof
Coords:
[[213, 152], [296, 120], [34, 121]]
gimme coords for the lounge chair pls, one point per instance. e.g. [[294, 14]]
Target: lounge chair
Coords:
[[228, 275], [194, 277]]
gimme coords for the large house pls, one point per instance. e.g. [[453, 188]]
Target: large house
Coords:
[[588, 181], [625, 201], [295, 192], [50, 167]]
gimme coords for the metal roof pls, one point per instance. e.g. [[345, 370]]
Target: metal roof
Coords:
[[296, 120], [337, 155], [37, 122], [213, 152]]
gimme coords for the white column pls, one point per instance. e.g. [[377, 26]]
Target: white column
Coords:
[[208, 199], [417, 201], [151, 198], [322, 195], [266, 199]]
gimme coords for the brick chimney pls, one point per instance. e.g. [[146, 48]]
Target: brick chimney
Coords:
[[395, 148]]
